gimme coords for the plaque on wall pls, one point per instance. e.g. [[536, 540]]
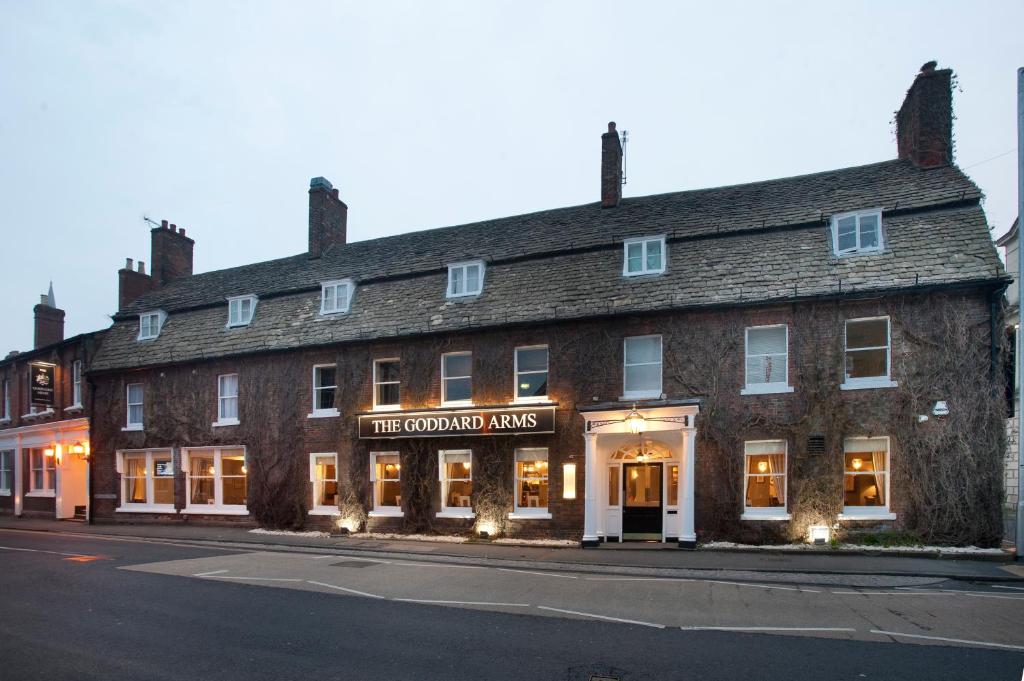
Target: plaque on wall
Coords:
[[41, 384], [461, 422]]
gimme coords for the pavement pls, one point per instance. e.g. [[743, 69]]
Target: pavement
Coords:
[[609, 558]]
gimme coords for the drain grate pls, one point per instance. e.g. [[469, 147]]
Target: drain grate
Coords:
[[353, 564]]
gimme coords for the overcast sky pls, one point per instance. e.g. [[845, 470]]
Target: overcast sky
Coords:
[[424, 114]]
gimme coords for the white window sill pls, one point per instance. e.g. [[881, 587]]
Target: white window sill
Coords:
[[866, 383], [857, 514], [3, 421], [324, 414], [456, 513], [239, 325], [468, 294], [5, 492], [530, 400], [146, 508], [646, 395], [41, 493], [750, 514], [644, 273], [767, 389], [132, 428], [225, 422], [387, 407], [529, 515], [859, 251], [460, 403], [394, 512], [330, 314], [74, 407], [325, 510], [147, 338], [38, 414], [215, 510]]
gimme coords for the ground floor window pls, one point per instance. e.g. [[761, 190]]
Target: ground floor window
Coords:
[[764, 478], [43, 472], [613, 487], [386, 479], [216, 480], [147, 479], [455, 471], [531, 480], [323, 472], [673, 485], [866, 476], [6, 471]]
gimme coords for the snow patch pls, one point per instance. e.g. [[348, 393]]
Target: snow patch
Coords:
[[444, 539], [535, 542], [291, 533], [857, 548]]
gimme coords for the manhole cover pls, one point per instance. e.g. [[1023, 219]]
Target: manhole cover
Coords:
[[353, 564]]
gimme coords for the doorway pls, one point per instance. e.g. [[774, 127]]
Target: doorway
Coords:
[[641, 502]]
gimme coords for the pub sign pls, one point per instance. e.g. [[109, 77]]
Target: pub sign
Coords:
[[461, 422], [42, 384]]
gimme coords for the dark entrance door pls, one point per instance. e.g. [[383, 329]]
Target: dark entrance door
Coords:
[[641, 496]]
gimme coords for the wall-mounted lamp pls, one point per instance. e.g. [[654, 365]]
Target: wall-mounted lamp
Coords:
[[940, 408], [636, 421], [568, 481], [79, 450]]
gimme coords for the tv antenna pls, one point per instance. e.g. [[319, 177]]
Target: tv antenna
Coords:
[[625, 163], [145, 218]]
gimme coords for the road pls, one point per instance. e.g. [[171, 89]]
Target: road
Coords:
[[114, 608]]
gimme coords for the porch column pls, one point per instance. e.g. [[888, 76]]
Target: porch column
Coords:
[[687, 537], [590, 538], [19, 479]]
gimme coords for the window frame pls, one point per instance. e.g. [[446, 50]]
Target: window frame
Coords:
[[445, 402], [218, 507], [150, 456], [236, 301], [764, 388], [315, 508], [150, 333], [324, 412], [6, 472], [516, 373], [378, 510], [766, 512], [644, 394], [76, 384], [338, 308], [869, 512], [857, 215], [49, 488], [377, 382], [222, 398], [129, 424], [529, 512], [644, 241], [442, 477], [464, 265], [865, 382]]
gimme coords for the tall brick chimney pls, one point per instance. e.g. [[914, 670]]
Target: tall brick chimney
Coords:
[[924, 124], [171, 254], [49, 321], [132, 284], [328, 217], [611, 168]]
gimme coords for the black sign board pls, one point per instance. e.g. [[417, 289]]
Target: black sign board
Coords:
[[42, 384], [486, 421]]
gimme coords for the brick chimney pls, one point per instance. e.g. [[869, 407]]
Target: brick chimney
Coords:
[[49, 321], [611, 168], [328, 217], [132, 284], [171, 254], [924, 124]]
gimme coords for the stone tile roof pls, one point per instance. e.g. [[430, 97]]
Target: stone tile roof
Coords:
[[745, 244]]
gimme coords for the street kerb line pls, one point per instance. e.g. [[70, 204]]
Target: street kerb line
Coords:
[[342, 588], [701, 581], [438, 565], [54, 553], [942, 592], [542, 574], [437, 602], [947, 640], [258, 579], [212, 572], [1015, 588], [713, 628], [602, 617]]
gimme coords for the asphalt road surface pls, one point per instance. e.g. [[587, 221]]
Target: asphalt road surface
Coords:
[[89, 608]]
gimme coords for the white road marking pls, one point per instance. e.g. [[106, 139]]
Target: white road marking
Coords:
[[207, 574], [260, 579], [938, 592], [420, 600], [767, 629], [55, 553], [542, 574], [341, 588], [702, 581], [439, 565], [603, 617], [948, 640], [1016, 588]]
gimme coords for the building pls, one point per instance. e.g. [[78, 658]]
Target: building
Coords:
[[44, 424], [1009, 243], [741, 362]]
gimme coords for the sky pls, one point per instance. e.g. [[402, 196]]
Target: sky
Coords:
[[425, 114]]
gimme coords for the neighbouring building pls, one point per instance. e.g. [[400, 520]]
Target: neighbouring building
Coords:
[[44, 424], [744, 362], [1009, 243]]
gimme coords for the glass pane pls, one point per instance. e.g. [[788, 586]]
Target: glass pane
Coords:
[[229, 385], [234, 491], [201, 466], [531, 469], [533, 493], [201, 491], [388, 394], [641, 350], [387, 371], [866, 363], [766, 341], [325, 398], [327, 493], [643, 377], [457, 469], [532, 385], [229, 408], [472, 278], [135, 413], [328, 303], [325, 376], [388, 467], [865, 462], [459, 494], [867, 334], [864, 490], [532, 359], [766, 369], [232, 464], [135, 393], [673, 485], [134, 467], [458, 280], [634, 257], [654, 255], [643, 485], [135, 489], [869, 231], [389, 493], [766, 491], [847, 233], [37, 479], [458, 365], [457, 389], [163, 490]]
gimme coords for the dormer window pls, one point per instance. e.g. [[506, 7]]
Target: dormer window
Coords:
[[150, 324], [465, 279], [859, 232], [241, 309], [335, 296], [645, 255]]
